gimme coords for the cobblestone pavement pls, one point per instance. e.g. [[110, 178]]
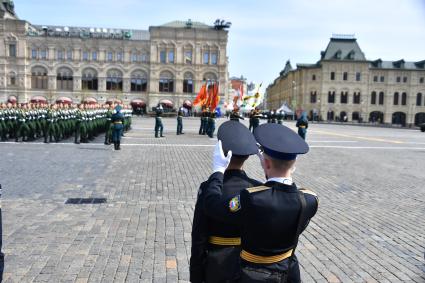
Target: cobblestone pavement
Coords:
[[369, 228]]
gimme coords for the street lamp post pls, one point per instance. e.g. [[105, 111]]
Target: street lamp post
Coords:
[[294, 101]]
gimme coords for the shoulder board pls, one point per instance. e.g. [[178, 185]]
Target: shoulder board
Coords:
[[257, 189], [307, 191]]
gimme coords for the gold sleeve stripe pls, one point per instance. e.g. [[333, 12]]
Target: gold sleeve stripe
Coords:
[[257, 189], [220, 241]]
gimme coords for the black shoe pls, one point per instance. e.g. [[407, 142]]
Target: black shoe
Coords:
[[162, 136]]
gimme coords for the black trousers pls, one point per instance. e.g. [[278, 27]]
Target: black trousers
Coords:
[[223, 264], [270, 273]]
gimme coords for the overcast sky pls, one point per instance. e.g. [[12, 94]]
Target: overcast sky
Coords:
[[264, 33]]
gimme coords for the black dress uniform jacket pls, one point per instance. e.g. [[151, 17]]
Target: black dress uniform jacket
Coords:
[[211, 262], [269, 217]]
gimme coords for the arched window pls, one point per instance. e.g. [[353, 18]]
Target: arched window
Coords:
[[166, 82], [89, 80], [403, 98], [395, 102], [139, 81], [331, 97], [188, 54], [313, 97], [210, 78], [114, 80], [344, 97], [39, 78], [64, 79], [419, 99], [188, 83], [381, 98], [356, 98], [373, 98]]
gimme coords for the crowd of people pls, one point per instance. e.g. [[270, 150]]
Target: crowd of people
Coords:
[[57, 122]]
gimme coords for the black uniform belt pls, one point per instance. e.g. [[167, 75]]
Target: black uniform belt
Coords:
[[221, 241], [119, 122], [265, 259]]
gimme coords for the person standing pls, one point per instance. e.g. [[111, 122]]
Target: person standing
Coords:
[[216, 244], [302, 125], [273, 215], [211, 124], [180, 122], [159, 127], [235, 115], [117, 121], [108, 125]]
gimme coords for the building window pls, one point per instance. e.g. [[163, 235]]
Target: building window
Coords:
[[345, 76], [139, 82], [34, 53], [110, 56], [89, 80], [332, 76], [419, 99], [206, 57], [60, 55], [358, 76], [171, 57], [43, 54], [134, 57], [403, 98], [114, 80], [166, 82], [373, 98], [94, 56], [214, 58], [39, 78], [398, 79], [64, 79], [404, 79], [356, 98], [188, 83], [313, 77], [313, 97], [162, 57], [421, 80], [331, 97], [120, 56], [344, 97], [144, 58], [375, 78], [188, 57], [12, 50], [69, 55], [382, 79], [12, 79], [85, 56], [395, 102], [381, 98]]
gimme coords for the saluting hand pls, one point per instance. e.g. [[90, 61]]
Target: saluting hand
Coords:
[[220, 161]]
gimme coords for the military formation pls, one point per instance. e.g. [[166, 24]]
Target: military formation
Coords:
[[57, 122], [208, 121]]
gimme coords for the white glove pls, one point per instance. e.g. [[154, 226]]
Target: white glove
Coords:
[[261, 157], [220, 162]]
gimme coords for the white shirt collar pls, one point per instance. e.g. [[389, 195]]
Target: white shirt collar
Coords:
[[286, 181]]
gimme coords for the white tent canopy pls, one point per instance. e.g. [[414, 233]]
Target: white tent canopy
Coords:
[[285, 109]]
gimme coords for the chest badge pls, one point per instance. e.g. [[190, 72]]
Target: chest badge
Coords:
[[235, 204]]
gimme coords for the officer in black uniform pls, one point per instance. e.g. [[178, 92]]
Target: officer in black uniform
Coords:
[[235, 115], [216, 244], [273, 215]]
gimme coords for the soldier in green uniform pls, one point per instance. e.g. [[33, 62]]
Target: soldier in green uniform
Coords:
[[48, 125], [108, 125], [302, 125], [204, 115], [235, 116], [180, 122], [159, 127], [211, 124], [256, 116], [23, 130], [3, 128]]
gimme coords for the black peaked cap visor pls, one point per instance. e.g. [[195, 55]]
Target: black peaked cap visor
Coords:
[[236, 137]]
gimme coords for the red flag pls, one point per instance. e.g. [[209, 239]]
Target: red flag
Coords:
[[215, 99], [201, 97]]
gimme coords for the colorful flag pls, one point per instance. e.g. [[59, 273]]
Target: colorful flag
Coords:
[[201, 97], [215, 98]]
